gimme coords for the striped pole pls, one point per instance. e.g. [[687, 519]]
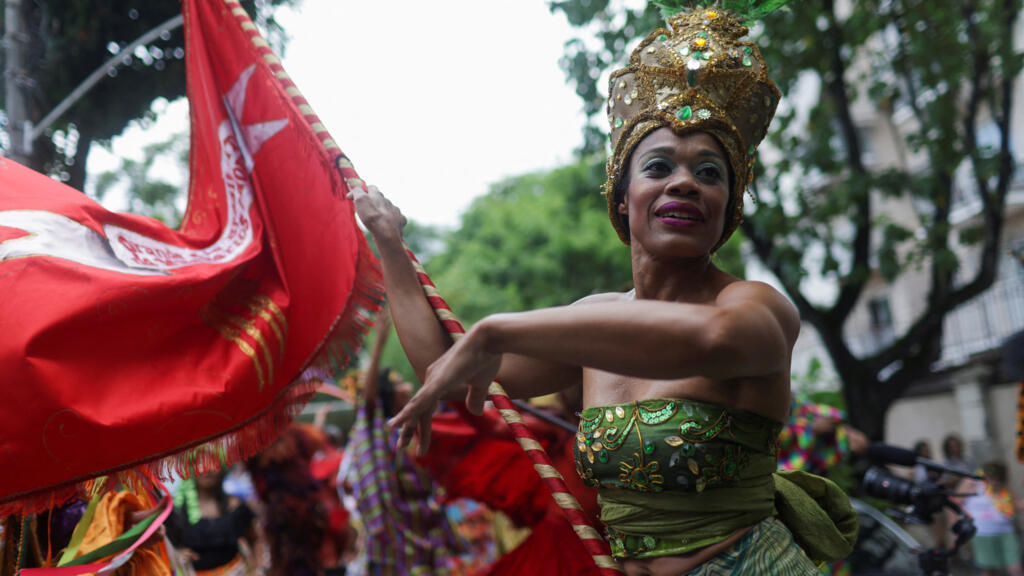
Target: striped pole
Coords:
[[592, 541]]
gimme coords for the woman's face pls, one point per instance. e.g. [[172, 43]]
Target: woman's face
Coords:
[[677, 194]]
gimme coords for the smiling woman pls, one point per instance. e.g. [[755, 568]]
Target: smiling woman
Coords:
[[685, 378]]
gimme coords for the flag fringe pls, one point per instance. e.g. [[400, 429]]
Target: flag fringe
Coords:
[[336, 351]]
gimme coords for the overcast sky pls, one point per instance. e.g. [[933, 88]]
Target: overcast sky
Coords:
[[433, 101]]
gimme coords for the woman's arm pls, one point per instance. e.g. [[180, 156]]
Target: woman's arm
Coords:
[[422, 336], [748, 332]]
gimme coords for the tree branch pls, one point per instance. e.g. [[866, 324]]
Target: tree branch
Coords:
[[852, 285]]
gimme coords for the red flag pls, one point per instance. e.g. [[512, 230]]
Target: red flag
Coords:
[[129, 345]]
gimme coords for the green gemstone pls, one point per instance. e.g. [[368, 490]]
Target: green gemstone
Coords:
[[662, 38], [602, 456], [748, 50], [699, 55], [751, 150], [618, 122], [747, 61], [702, 34], [687, 449], [691, 77], [648, 447], [684, 113]]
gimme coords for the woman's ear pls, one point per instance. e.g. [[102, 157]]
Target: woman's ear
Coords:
[[623, 208]]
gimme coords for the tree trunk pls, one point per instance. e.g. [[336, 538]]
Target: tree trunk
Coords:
[[15, 81]]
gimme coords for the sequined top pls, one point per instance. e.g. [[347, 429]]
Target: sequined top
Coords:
[[681, 448]]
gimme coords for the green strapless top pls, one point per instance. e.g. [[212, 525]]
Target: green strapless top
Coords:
[[673, 475], [673, 444]]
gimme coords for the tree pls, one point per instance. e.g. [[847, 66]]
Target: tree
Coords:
[[150, 194], [63, 41], [951, 67]]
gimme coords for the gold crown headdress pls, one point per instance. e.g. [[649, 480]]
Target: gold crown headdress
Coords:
[[698, 76]]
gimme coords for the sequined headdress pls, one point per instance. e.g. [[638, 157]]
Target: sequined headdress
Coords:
[[698, 76]]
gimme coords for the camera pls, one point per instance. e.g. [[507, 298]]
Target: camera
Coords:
[[925, 499]]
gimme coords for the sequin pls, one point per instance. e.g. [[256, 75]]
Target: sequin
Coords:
[[704, 113], [693, 466], [651, 50], [684, 51], [627, 100], [674, 441], [622, 84], [662, 38], [684, 113], [620, 412], [608, 413], [694, 63]]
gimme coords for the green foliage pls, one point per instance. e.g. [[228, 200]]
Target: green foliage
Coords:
[[534, 241], [148, 192], [68, 39]]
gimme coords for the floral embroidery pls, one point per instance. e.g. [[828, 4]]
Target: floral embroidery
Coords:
[[639, 476]]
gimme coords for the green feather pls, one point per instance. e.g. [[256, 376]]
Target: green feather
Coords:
[[745, 10]]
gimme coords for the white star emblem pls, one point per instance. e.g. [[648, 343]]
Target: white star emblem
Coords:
[[250, 137]]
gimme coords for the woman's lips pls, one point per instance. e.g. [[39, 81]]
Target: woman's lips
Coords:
[[679, 214]]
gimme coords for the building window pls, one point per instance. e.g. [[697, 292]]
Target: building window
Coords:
[[881, 314]]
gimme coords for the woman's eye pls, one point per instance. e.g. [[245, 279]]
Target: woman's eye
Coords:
[[710, 172], [657, 167]]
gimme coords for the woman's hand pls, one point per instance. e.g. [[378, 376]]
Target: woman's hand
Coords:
[[377, 213], [468, 362]]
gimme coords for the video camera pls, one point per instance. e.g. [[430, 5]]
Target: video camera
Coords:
[[922, 500]]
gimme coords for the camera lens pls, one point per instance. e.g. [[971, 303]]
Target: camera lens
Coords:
[[879, 483]]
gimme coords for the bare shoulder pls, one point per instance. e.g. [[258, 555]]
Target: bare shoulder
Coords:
[[744, 292], [604, 297]]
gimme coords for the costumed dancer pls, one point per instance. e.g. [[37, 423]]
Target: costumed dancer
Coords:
[[293, 518], [404, 523], [686, 377], [816, 437], [478, 457], [207, 527]]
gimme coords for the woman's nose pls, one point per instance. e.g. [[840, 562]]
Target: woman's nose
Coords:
[[681, 182]]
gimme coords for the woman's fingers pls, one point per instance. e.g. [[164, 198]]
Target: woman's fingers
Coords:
[[426, 419], [475, 399]]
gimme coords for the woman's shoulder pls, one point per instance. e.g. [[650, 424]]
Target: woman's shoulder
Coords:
[[604, 297]]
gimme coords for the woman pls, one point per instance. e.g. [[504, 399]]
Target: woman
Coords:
[[208, 526], [686, 378]]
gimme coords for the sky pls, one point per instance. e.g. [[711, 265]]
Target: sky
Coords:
[[432, 101]]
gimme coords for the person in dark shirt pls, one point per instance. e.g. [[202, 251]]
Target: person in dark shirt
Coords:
[[208, 526]]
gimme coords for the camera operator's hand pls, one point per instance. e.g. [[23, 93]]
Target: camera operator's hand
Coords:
[[857, 440]]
